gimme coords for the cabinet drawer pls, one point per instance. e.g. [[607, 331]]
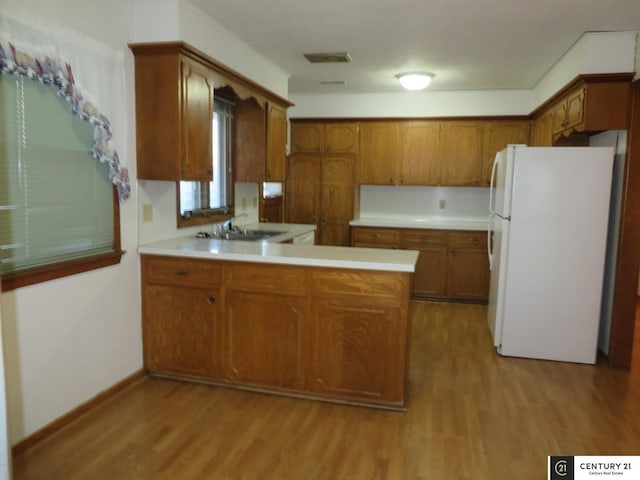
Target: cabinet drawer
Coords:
[[180, 271], [266, 278], [413, 239], [375, 287], [376, 236], [476, 240]]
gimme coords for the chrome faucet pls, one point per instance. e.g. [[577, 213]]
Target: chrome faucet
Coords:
[[226, 225]]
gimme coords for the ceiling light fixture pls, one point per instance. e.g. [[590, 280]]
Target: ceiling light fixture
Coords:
[[415, 80]]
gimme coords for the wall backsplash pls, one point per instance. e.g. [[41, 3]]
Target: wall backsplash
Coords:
[[161, 196], [424, 202]]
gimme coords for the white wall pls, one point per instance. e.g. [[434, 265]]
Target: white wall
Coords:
[[604, 52], [414, 104], [67, 340]]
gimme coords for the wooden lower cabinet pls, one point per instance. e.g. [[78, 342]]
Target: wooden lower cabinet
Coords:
[[452, 264], [263, 339], [338, 334], [357, 350]]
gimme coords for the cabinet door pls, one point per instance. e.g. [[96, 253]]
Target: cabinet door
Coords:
[[420, 161], [337, 197], [341, 137], [430, 276], [248, 145], [461, 153], [357, 350], [497, 135], [468, 272], [575, 108], [263, 339], [558, 116], [303, 188], [196, 118], [179, 326], [307, 137], [276, 144], [378, 153]]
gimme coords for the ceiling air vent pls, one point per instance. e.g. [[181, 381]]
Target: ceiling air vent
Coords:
[[335, 57]]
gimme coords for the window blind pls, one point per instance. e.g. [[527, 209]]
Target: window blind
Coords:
[[56, 201]]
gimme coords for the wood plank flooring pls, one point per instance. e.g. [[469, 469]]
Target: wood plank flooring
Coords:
[[472, 415]]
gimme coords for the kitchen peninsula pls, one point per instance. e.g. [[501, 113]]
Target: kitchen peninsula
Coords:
[[322, 322]]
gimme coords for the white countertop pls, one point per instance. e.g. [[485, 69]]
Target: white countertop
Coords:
[[434, 223], [288, 254]]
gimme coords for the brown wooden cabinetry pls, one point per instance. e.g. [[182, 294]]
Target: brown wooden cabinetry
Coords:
[[497, 135], [461, 153], [321, 192], [420, 155], [589, 104], [452, 264], [327, 333], [174, 108], [468, 266], [276, 162], [378, 153], [263, 326], [358, 344], [540, 130], [181, 307], [431, 270], [329, 137]]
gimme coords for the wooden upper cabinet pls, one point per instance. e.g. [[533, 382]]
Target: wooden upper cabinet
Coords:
[[461, 153], [419, 156], [540, 134], [174, 109], [329, 137], [341, 137], [378, 153], [497, 135], [276, 162], [196, 118], [307, 138], [248, 141]]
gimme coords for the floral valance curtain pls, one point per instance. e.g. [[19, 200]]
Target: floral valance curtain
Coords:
[[87, 74]]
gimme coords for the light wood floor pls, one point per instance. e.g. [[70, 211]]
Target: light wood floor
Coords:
[[472, 415]]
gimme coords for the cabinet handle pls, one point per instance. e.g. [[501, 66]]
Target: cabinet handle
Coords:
[[268, 174], [212, 299], [182, 273], [391, 180], [475, 241], [376, 235]]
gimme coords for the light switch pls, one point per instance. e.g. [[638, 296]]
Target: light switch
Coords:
[[243, 204], [255, 202]]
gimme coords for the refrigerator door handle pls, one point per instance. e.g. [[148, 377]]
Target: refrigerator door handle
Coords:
[[496, 161], [489, 238]]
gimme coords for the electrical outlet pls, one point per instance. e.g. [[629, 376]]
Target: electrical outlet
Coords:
[[147, 212], [442, 204]]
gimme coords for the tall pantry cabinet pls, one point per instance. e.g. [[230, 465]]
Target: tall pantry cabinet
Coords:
[[321, 178]]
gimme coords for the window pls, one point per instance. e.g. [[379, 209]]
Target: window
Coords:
[[58, 209], [208, 200]]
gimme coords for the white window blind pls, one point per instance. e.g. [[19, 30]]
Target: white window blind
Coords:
[[56, 200]]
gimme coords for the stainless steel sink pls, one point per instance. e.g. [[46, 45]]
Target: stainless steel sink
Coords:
[[241, 235]]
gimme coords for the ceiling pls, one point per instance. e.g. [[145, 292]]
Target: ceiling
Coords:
[[468, 44]]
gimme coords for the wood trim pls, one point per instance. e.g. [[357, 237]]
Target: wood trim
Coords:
[[626, 277], [238, 81], [61, 422]]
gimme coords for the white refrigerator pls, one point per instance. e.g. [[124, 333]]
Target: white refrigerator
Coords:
[[548, 217]]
